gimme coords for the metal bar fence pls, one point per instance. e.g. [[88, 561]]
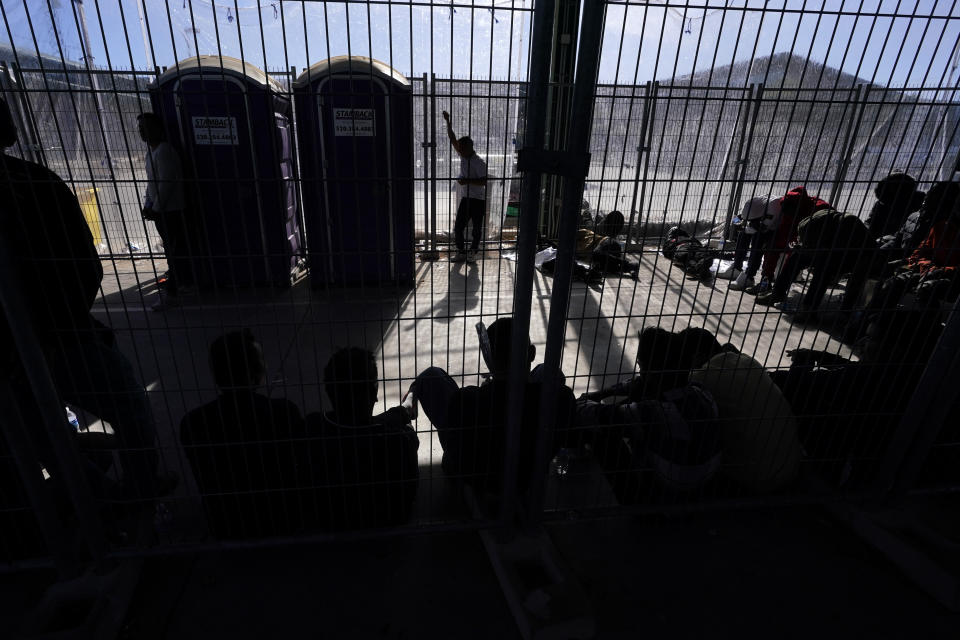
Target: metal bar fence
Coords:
[[310, 171]]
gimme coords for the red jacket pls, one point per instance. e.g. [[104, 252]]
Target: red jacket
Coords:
[[941, 250], [787, 229]]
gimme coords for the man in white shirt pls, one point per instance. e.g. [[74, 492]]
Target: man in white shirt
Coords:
[[165, 204], [760, 217], [473, 194]]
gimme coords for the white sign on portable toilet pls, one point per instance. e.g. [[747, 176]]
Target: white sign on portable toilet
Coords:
[[354, 122], [215, 130]]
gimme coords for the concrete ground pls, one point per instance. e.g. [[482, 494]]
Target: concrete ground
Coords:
[[410, 329], [789, 572], [775, 573]]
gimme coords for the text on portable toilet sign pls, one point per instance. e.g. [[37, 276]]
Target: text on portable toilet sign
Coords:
[[215, 130], [354, 122]]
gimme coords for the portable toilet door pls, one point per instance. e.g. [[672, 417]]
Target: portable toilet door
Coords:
[[355, 138], [242, 173]]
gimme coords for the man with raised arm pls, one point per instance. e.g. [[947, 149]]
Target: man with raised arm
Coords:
[[473, 194]]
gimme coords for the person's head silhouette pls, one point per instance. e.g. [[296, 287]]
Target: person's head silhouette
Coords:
[[612, 225], [500, 334], [236, 361], [350, 379], [466, 146], [151, 130]]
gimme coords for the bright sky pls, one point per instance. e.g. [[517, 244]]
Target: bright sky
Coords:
[[891, 42]]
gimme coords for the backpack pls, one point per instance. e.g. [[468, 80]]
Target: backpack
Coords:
[[687, 252]]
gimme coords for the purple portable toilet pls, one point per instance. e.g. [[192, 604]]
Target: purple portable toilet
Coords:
[[232, 125], [355, 139]]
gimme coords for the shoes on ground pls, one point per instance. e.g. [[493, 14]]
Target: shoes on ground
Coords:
[[742, 282], [728, 273]]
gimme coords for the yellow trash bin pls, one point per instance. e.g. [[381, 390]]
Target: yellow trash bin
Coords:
[[91, 213]]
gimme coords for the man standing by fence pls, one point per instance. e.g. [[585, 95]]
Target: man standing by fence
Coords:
[[165, 205], [473, 197]]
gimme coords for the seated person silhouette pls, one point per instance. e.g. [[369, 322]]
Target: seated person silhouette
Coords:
[[937, 206], [599, 249], [932, 270], [897, 197], [682, 372], [365, 466], [471, 422], [244, 448], [665, 427], [847, 410], [56, 272]]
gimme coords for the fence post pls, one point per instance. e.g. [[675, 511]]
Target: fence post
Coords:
[[526, 250], [852, 127], [578, 161], [429, 142], [643, 149], [433, 160], [753, 109], [12, 80], [744, 160]]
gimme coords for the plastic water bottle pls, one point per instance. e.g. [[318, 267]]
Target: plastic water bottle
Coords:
[[72, 419], [561, 463]]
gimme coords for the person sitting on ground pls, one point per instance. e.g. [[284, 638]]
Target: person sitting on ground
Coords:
[[757, 431], [365, 465], [760, 217], [665, 424], [897, 198], [937, 206], [796, 205], [932, 271], [244, 447], [601, 250], [471, 422], [761, 448], [848, 410], [57, 272], [831, 243]]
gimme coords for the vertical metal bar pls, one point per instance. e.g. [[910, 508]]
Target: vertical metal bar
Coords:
[[852, 127], [433, 160], [526, 249], [425, 145], [94, 83], [743, 153], [578, 142], [642, 153]]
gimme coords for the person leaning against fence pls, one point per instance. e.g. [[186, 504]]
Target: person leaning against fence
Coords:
[[164, 204], [57, 271], [364, 466], [244, 448], [471, 422], [472, 189]]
